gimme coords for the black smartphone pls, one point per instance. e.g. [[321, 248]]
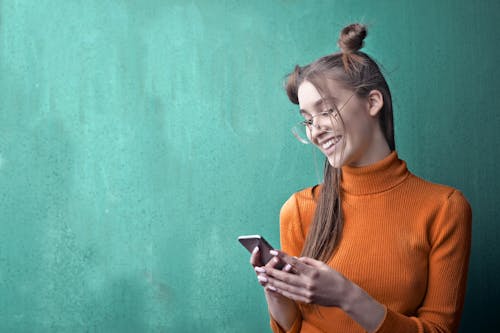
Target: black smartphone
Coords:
[[251, 241]]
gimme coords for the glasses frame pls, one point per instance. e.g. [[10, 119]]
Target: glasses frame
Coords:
[[332, 111]]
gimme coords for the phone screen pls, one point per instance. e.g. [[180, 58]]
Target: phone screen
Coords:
[[251, 241]]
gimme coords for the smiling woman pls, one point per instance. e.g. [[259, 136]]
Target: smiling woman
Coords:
[[351, 134], [380, 249]]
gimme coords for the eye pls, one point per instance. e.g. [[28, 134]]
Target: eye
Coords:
[[306, 117], [330, 112], [307, 122]]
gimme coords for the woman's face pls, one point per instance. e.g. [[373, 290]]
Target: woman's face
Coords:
[[351, 138]]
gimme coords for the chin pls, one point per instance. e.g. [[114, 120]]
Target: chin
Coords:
[[339, 159], [335, 161], [340, 156]]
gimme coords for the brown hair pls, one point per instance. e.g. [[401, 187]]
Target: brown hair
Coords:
[[356, 71]]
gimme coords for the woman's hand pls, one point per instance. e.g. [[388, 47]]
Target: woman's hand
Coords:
[[282, 309], [256, 262], [312, 281]]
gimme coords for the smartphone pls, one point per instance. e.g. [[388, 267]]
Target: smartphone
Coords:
[[251, 241]]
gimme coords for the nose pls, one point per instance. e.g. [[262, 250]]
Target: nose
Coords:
[[319, 126], [316, 129]]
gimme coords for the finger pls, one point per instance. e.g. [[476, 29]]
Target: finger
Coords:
[[281, 264], [295, 279], [255, 258], [282, 285], [259, 269], [292, 292], [297, 265], [263, 279], [275, 263], [287, 294], [288, 268], [271, 288]]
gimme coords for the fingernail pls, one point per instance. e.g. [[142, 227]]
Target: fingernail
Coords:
[[260, 269], [287, 268], [261, 278], [273, 252], [271, 288], [255, 250]]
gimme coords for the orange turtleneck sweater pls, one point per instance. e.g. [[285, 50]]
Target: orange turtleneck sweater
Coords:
[[405, 241]]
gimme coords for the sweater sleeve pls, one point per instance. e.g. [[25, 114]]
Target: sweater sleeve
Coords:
[[291, 234], [450, 240], [292, 241]]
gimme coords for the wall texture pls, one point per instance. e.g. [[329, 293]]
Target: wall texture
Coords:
[[138, 139]]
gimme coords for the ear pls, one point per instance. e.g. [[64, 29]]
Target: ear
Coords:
[[375, 102]]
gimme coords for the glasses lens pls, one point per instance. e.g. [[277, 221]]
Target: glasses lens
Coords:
[[300, 133], [325, 123]]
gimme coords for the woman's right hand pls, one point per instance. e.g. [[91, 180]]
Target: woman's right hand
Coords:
[[282, 309], [260, 269]]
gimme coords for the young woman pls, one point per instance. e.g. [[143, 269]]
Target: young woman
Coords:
[[373, 248]]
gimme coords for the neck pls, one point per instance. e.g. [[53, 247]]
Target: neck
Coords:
[[374, 178], [377, 150]]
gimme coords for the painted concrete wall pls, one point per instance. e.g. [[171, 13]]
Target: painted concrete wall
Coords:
[[138, 139]]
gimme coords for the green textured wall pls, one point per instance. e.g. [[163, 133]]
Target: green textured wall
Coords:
[[138, 139]]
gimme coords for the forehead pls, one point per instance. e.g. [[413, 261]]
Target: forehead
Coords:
[[310, 98], [307, 94]]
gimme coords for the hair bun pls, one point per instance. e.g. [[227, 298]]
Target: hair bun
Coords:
[[351, 38]]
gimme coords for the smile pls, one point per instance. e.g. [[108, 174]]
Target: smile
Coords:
[[332, 142]]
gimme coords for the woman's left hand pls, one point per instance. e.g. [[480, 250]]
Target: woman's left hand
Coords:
[[314, 282], [309, 281]]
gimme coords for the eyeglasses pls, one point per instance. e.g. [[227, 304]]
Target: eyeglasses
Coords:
[[324, 122]]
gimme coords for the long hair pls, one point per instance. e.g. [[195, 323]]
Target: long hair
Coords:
[[356, 71]]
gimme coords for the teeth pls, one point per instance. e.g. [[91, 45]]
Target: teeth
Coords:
[[331, 142]]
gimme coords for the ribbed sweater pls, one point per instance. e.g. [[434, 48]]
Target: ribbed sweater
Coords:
[[405, 241]]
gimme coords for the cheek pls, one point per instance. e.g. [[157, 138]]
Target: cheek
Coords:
[[349, 132], [357, 130]]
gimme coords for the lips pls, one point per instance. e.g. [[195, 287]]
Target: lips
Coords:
[[329, 145]]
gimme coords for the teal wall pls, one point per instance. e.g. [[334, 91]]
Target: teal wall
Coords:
[[138, 139]]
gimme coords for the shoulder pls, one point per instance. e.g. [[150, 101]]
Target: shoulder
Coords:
[[296, 216], [300, 207], [445, 205], [304, 197], [439, 194]]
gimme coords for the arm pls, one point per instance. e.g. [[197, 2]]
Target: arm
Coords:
[[285, 314], [287, 318], [450, 237], [283, 310]]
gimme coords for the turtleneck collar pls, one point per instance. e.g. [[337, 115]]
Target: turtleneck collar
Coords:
[[374, 178]]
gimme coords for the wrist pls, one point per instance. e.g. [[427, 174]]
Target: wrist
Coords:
[[363, 308], [282, 310]]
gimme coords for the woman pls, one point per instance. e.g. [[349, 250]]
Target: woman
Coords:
[[380, 250]]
